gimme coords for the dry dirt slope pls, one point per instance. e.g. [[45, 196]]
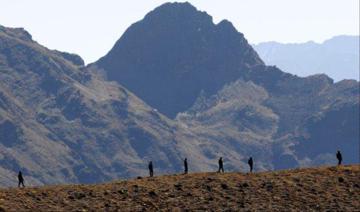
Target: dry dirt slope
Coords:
[[326, 188]]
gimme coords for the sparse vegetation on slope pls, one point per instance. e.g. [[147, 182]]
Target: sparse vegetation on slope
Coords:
[[326, 188]]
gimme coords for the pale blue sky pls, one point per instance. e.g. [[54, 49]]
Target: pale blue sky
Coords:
[[91, 27]]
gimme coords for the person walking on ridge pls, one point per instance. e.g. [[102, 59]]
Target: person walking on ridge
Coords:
[[151, 169], [185, 166], [21, 180], [251, 164], [221, 165], [339, 157]]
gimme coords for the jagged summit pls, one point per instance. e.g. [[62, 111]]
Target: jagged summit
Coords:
[[24, 36], [227, 25], [178, 10], [174, 53], [19, 33]]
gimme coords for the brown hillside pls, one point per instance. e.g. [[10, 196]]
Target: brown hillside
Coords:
[[326, 188]]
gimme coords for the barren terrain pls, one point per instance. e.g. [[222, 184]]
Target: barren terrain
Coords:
[[325, 188]]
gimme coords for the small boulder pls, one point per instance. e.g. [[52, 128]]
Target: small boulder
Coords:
[[79, 195], [224, 186], [178, 186], [135, 188], [341, 179], [152, 194], [268, 186], [122, 191]]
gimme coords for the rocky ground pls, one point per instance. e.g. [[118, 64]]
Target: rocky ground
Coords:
[[311, 189]]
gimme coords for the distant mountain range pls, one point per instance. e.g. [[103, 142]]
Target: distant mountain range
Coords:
[[337, 57], [174, 85]]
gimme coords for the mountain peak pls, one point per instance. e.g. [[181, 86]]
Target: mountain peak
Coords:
[[177, 11], [176, 6], [225, 23], [178, 43], [19, 33], [227, 26]]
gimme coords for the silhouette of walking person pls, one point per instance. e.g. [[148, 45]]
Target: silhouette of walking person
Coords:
[[185, 166], [221, 165], [151, 169], [339, 157], [21, 179], [251, 164]]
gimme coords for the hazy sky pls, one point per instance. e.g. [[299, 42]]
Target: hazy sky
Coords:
[[91, 27]]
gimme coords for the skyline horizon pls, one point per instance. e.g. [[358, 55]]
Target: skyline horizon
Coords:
[[252, 44], [78, 36]]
